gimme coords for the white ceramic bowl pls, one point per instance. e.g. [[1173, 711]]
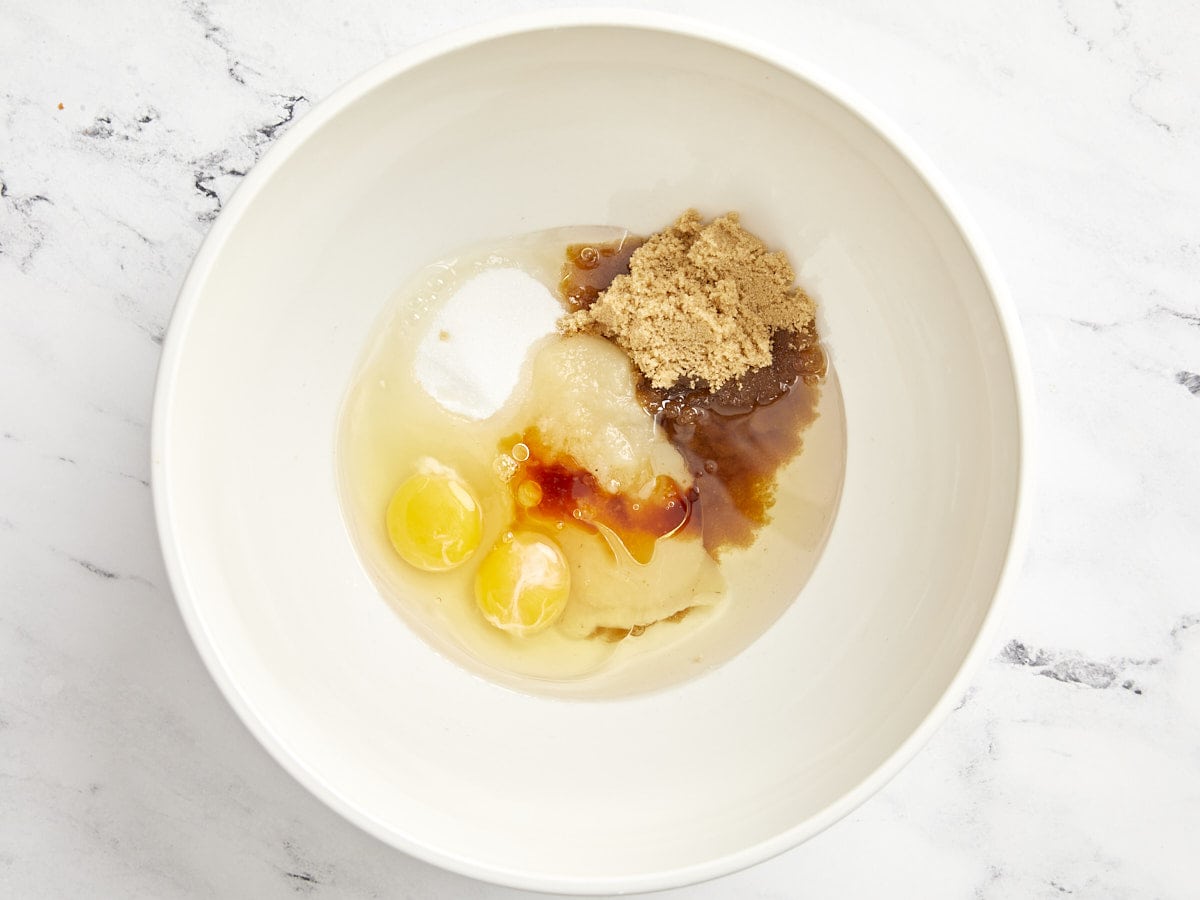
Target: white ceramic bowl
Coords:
[[559, 120]]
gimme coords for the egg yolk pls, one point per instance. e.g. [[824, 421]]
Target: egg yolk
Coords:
[[434, 521], [523, 583]]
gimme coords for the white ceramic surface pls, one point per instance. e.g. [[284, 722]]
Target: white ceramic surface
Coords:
[[480, 135]]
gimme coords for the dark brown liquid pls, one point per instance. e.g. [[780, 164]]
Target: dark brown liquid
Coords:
[[735, 440], [554, 489], [591, 268]]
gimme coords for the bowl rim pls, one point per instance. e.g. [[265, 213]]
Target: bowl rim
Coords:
[[462, 38]]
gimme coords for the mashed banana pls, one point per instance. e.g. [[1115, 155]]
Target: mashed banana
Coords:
[[584, 403], [583, 397]]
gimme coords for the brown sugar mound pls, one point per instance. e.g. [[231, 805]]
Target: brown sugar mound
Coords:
[[700, 304]]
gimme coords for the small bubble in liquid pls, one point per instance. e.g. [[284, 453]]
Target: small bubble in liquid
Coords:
[[710, 466], [529, 494], [520, 452]]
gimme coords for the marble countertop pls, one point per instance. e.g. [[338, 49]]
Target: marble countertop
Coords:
[[1071, 128]]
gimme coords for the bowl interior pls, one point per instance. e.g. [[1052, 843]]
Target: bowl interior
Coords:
[[527, 131]]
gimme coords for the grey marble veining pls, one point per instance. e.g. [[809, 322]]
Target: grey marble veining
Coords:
[[1072, 765]]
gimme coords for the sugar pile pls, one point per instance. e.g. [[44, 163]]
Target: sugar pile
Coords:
[[471, 357]]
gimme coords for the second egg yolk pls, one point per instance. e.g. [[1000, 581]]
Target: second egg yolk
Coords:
[[523, 583]]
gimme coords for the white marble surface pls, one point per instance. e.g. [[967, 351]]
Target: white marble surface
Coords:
[[1073, 131]]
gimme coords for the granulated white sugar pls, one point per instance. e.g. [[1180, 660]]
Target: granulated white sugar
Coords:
[[471, 357]]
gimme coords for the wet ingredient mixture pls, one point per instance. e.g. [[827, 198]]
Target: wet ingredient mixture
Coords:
[[630, 482], [700, 301]]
